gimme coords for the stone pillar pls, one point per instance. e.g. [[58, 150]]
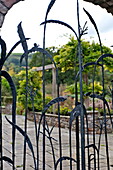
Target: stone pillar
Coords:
[[5, 5]]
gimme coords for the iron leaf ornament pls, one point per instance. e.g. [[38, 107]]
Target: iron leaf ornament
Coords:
[[5, 5]]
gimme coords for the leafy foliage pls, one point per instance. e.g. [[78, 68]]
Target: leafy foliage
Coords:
[[97, 87], [6, 90], [13, 62], [68, 53], [36, 60], [34, 89], [67, 59]]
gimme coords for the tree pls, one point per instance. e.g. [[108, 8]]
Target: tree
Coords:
[[37, 57], [34, 90], [6, 90], [67, 56], [67, 60]]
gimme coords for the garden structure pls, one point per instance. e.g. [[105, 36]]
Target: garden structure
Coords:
[[80, 147]]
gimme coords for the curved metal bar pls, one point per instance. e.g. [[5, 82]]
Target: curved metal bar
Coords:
[[13, 90], [26, 138], [86, 65], [104, 56], [95, 26], [25, 48], [64, 158], [61, 23]]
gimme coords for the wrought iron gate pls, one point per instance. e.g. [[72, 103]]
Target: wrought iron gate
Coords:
[[86, 152]]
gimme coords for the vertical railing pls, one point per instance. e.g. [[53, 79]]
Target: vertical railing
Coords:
[[80, 59], [25, 48]]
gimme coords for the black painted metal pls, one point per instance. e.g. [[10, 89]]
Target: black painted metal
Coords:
[[77, 115]]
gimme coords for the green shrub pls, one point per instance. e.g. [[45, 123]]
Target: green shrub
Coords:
[[89, 108], [33, 90], [65, 111]]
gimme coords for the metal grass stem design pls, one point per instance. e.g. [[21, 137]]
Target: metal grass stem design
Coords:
[[51, 143], [43, 63], [27, 139], [77, 114], [81, 94], [60, 147], [106, 138], [64, 158], [7, 159], [25, 48], [93, 22], [45, 53], [95, 26], [56, 100], [32, 94], [95, 64], [61, 23], [10, 81]]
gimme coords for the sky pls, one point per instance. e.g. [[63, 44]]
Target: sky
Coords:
[[32, 13]]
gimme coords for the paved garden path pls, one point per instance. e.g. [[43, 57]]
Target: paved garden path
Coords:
[[49, 159]]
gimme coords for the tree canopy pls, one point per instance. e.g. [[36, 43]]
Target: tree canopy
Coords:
[[67, 56], [67, 60]]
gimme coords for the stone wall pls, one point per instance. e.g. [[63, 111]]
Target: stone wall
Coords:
[[107, 4], [52, 120]]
